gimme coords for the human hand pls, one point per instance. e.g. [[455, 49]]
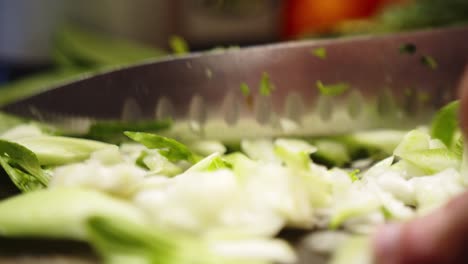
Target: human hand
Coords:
[[440, 237]]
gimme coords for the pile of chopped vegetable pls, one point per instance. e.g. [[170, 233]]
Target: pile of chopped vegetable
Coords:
[[153, 199]]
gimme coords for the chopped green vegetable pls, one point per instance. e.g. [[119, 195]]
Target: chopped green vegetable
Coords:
[[355, 250], [429, 61], [178, 45], [169, 148], [60, 213], [445, 123], [408, 48], [120, 241], [320, 53], [294, 152], [112, 131], [354, 175], [386, 213], [331, 152], [156, 163], [55, 150], [380, 140], [174, 206], [22, 166], [332, 89], [433, 160], [266, 86], [245, 90]]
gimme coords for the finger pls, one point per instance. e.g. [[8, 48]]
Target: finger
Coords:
[[439, 237]]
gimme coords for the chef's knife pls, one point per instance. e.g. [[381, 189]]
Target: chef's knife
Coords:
[[298, 88]]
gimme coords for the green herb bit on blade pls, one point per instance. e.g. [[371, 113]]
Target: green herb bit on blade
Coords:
[[408, 48], [244, 88], [430, 62], [332, 89], [266, 86], [178, 45], [320, 53]]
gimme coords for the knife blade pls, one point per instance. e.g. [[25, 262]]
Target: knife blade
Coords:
[[302, 88]]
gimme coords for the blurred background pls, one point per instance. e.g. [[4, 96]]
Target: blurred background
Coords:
[[47, 41]]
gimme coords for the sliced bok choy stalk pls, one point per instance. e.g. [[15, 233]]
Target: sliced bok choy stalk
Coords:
[[60, 213], [355, 250], [156, 200], [58, 150], [169, 148]]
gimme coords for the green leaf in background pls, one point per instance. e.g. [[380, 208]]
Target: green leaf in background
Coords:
[[91, 49], [445, 123], [169, 148], [37, 83], [22, 166], [78, 53], [409, 15], [423, 13]]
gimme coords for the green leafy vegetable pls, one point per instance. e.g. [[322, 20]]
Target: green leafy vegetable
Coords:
[[78, 53], [178, 45], [169, 148], [320, 53], [332, 89], [35, 84], [445, 123], [22, 166], [266, 86], [88, 49]]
